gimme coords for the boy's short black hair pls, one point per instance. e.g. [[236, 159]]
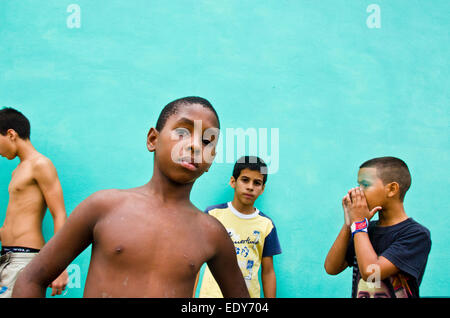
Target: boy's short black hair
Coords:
[[11, 118], [391, 169], [250, 162], [171, 109]]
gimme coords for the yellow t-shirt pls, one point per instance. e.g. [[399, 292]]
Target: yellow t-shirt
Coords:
[[254, 236]]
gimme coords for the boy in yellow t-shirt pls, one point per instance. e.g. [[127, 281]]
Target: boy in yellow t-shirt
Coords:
[[253, 233]]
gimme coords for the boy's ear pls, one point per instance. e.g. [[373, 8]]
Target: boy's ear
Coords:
[[392, 189], [232, 182], [12, 134], [152, 137]]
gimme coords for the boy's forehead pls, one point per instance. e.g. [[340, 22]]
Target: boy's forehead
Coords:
[[254, 174], [188, 114], [367, 173]]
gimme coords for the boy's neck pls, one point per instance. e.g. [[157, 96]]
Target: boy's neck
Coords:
[[25, 150], [167, 190], [243, 208], [392, 214]]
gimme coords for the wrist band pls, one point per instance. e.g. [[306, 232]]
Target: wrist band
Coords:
[[359, 226]]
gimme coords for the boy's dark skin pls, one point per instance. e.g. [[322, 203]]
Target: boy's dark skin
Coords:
[[148, 241], [360, 203]]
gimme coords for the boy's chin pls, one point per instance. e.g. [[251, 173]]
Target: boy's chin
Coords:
[[185, 178], [247, 201]]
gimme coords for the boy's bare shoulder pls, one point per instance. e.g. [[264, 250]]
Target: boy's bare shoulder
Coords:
[[210, 225], [40, 159], [41, 162], [102, 201], [98, 206], [42, 168], [108, 197]]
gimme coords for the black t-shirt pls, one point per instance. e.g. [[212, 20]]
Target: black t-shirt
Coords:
[[406, 245]]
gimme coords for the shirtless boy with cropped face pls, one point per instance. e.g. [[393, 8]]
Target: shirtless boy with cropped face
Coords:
[[148, 241], [34, 186]]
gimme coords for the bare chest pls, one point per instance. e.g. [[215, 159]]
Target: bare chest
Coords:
[[157, 242], [22, 181]]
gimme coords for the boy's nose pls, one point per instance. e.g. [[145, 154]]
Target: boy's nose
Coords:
[[195, 147]]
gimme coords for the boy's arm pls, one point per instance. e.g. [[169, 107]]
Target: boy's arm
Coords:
[[224, 266], [368, 261], [335, 261], [58, 253], [268, 278], [47, 178]]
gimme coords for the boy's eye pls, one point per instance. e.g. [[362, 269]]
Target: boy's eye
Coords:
[[182, 132], [206, 141]]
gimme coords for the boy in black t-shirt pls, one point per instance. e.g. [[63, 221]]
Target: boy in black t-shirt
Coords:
[[388, 256]]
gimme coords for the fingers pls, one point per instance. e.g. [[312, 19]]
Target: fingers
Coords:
[[352, 195], [57, 287], [357, 196], [375, 210], [345, 204], [346, 201], [57, 290], [349, 194], [356, 205]]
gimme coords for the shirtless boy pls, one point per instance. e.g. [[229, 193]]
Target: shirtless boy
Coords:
[[34, 186], [148, 241]]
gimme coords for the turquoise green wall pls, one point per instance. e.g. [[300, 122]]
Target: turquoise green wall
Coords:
[[338, 91]]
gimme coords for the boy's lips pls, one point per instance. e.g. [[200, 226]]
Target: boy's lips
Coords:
[[188, 164], [247, 195]]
